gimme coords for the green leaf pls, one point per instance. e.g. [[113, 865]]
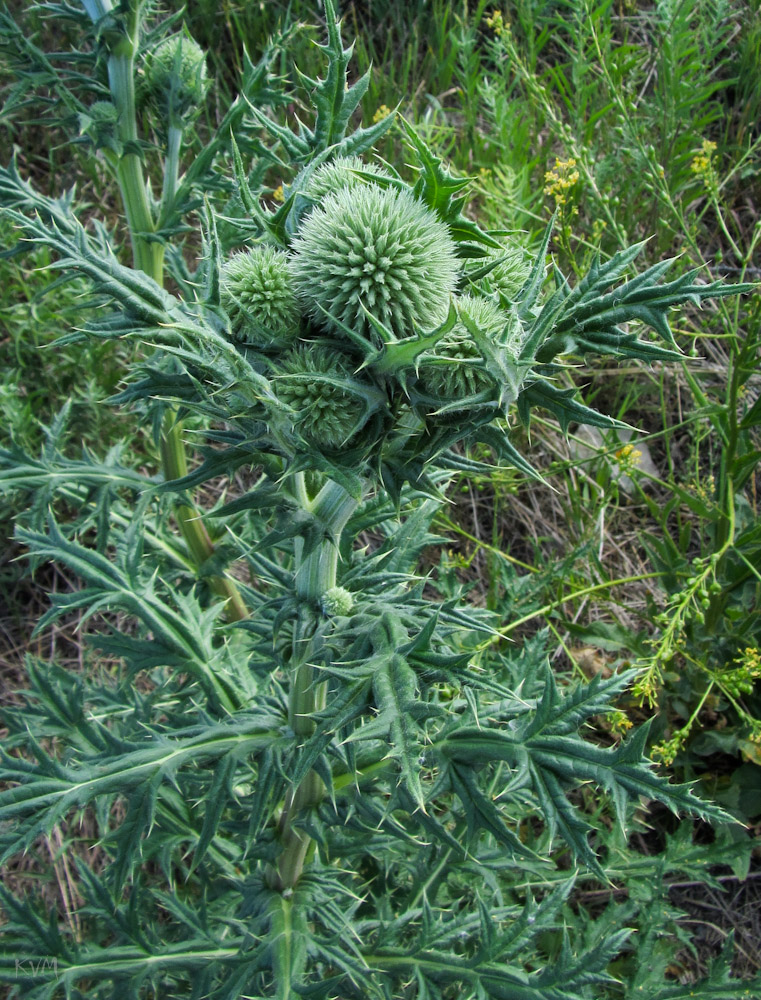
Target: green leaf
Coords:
[[41, 793], [551, 759], [564, 407], [437, 187], [395, 689], [482, 814], [125, 843], [219, 794]]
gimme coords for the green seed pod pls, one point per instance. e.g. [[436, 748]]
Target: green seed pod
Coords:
[[336, 601], [256, 293], [455, 368], [330, 404], [175, 75], [381, 249], [338, 175]]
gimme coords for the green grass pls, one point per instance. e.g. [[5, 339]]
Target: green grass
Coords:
[[36, 378]]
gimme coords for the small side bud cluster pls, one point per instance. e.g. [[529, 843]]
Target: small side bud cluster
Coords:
[[175, 76], [353, 318], [330, 404], [257, 294], [336, 602]]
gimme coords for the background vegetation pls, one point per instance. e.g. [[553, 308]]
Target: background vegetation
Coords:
[[634, 121]]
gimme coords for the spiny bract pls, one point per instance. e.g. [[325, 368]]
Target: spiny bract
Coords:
[[256, 294], [454, 368], [381, 249], [339, 175], [175, 73], [328, 401]]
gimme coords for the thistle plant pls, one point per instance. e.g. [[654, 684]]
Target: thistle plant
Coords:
[[352, 791]]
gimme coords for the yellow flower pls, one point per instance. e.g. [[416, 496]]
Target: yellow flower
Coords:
[[628, 457], [497, 23], [559, 181], [619, 723], [277, 194], [383, 112], [702, 163]]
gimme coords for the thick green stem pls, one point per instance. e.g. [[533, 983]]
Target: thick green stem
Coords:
[[193, 530], [171, 171], [148, 256], [315, 573], [147, 252]]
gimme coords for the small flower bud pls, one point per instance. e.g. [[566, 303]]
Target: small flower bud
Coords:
[[337, 175], [256, 294], [336, 602], [453, 369], [175, 75], [329, 404], [509, 275]]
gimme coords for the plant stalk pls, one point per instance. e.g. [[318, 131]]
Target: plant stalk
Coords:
[[315, 573], [148, 256], [193, 530]]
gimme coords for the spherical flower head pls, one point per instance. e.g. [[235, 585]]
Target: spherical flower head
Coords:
[[320, 388], [257, 295], [339, 175], [175, 74], [378, 249], [454, 368], [512, 272], [337, 601]]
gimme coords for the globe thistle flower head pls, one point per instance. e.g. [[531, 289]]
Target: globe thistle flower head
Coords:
[[510, 274], [336, 601], [339, 175], [256, 293], [375, 249], [454, 368], [175, 74], [330, 405]]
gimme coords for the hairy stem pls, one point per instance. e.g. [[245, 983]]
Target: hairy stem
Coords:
[[315, 573]]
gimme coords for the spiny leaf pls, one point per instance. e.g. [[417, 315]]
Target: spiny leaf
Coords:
[[482, 814], [41, 793], [552, 759], [395, 688], [219, 794], [437, 187]]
